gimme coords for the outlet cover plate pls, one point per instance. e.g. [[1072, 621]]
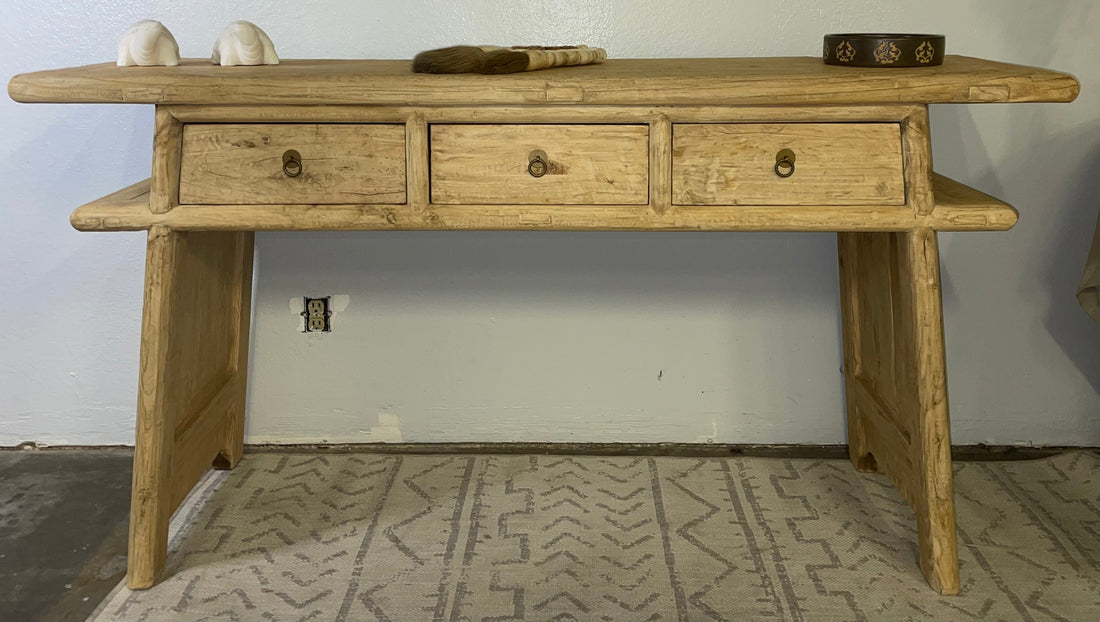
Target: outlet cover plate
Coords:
[[317, 313]]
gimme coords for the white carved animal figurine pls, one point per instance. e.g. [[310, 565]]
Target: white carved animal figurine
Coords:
[[243, 43], [146, 44]]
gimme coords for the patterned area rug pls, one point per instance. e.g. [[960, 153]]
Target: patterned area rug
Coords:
[[290, 537]]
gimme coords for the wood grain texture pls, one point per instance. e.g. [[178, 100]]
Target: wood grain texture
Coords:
[[231, 163], [895, 381], [727, 81], [632, 145], [167, 137], [150, 500], [836, 164], [957, 208], [917, 151], [416, 162], [580, 55], [895, 366], [926, 363], [195, 448], [122, 210], [587, 164], [240, 317], [859, 445], [660, 164], [539, 113], [191, 389], [497, 218], [158, 390]]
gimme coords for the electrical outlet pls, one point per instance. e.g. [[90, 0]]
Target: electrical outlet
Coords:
[[317, 314]]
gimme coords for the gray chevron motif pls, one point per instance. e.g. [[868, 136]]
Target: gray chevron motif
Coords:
[[478, 538]]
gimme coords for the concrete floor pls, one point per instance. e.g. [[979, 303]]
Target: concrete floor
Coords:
[[63, 525]]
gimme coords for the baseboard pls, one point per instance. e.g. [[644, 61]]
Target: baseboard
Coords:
[[838, 452]]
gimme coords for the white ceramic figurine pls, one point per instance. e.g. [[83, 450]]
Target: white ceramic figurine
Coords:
[[243, 43], [148, 43]]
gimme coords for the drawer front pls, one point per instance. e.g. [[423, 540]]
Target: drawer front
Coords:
[[834, 164], [243, 164], [584, 164]]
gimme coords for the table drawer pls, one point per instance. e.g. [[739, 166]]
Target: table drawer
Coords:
[[244, 164], [834, 164], [581, 164]]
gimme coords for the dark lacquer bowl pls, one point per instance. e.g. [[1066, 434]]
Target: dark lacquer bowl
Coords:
[[883, 50]]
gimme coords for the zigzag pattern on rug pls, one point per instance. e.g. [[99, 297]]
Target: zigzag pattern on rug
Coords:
[[496, 537]]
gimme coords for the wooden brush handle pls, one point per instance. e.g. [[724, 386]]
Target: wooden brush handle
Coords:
[[545, 58], [495, 60], [580, 55]]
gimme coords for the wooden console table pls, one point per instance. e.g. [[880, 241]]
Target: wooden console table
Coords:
[[749, 144]]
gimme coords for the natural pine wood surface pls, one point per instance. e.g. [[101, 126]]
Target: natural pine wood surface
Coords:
[[151, 495], [896, 381], [541, 113], [581, 55], [660, 163], [191, 390], [496, 218], [835, 164], [585, 164], [894, 364], [957, 208], [165, 188], [626, 142], [341, 163], [418, 194], [727, 81]]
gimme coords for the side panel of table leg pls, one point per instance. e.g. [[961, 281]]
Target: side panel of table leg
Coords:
[[895, 380], [233, 443], [192, 385], [859, 448]]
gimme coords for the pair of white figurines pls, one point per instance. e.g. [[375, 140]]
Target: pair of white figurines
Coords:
[[148, 43]]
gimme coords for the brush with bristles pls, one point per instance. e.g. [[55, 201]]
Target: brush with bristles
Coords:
[[494, 60]]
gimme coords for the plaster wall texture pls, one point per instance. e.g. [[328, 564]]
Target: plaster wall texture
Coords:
[[555, 336]]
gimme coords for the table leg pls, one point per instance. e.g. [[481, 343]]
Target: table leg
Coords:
[[896, 383], [191, 393]]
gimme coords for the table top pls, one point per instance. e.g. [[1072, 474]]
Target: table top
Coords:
[[686, 81]]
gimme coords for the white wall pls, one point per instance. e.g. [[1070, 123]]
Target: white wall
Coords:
[[555, 336]]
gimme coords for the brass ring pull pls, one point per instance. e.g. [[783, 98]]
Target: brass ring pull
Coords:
[[784, 163], [537, 166], [292, 163]]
